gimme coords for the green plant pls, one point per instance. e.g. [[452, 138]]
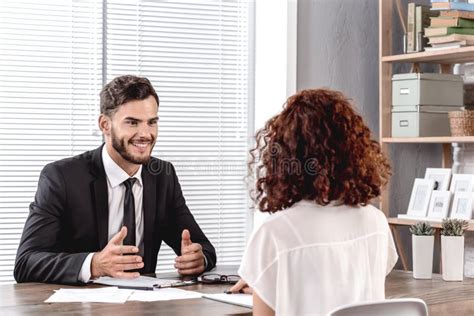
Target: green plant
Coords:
[[422, 229], [453, 227]]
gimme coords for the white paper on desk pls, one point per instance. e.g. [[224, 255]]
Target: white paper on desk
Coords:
[[164, 294], [140, 282], [244, 300], [100, 295]]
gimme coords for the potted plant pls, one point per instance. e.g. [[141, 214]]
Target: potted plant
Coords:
[[422, 250], [452, 248]]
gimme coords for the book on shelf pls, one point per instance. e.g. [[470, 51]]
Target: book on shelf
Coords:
[[452, 6], [449, 46], [456, 44], [469, 39], [457, 14], [448, 21], [440, 31], [411, 38], [422, 21]]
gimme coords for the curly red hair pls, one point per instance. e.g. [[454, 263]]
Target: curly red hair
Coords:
[[318, 148]]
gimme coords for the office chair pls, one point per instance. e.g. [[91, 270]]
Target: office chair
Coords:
[[391, 307]]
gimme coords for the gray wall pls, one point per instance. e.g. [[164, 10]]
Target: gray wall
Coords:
[[338, 48]]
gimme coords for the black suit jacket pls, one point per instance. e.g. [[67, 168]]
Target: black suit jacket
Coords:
[[69, 218]]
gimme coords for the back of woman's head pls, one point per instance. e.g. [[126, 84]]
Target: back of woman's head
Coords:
[[318, 148]]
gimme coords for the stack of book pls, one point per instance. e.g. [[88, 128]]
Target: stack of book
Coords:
[[418, 19], [454, 27]]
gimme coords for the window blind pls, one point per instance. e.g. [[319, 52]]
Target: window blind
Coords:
[[50, 75], [196, 54]]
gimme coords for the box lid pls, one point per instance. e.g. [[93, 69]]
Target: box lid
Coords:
[[427, 76]]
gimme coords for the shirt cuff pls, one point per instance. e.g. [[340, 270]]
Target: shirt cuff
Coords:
[[205, 262], [85, 273]]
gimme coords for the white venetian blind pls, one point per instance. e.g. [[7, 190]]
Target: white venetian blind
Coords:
[[196, 53], [50, 76]]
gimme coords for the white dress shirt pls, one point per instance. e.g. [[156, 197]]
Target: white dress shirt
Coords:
[[116, 193], [309, 259]]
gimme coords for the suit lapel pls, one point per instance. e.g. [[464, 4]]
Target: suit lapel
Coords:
[[102, 210], [99, 190], [149, 211]]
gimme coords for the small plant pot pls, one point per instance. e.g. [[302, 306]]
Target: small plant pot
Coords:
[[422, 254], [452, 257]]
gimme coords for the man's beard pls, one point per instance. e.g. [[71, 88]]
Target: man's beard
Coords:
[[119, 146]]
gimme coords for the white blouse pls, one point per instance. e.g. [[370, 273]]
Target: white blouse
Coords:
[[309, 259]]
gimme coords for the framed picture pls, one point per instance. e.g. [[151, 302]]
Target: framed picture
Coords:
[[440, 202], [462, 183], [462, 205], [420, 197], [442, 176]]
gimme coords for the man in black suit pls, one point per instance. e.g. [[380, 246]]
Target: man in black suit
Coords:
[[105, 212]]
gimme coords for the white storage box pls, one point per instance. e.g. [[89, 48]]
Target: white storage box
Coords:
[[427, 89], [421, 121]]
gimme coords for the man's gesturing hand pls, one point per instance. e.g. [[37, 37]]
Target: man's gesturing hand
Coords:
[[191, 261], [111, 262]]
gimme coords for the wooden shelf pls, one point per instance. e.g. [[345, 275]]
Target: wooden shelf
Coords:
[[445, 56], [409, 222], [426, 140]]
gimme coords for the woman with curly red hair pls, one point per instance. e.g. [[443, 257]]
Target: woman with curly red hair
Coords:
[[317, 168]]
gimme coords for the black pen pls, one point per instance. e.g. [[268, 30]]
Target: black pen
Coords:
[[143, 288], [230, 292]]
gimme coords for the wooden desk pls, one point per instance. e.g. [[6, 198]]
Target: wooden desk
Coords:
[[443, 298], [28, 298]]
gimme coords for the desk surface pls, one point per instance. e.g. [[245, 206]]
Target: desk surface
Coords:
[[28, 298], [443, 298]]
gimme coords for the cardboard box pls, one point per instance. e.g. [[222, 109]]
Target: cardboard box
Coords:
[[427, 89], [421, 121]]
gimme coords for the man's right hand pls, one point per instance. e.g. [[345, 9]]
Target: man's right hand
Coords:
[[112, 262]]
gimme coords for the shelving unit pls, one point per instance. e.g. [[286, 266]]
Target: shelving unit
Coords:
[[446, 59]]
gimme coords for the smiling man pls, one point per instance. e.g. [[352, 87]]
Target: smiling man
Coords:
[[106, 211]]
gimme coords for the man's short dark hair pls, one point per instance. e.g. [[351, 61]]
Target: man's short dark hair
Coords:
[[124, 89]]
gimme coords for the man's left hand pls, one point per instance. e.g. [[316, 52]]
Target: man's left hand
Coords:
[[191, 261]]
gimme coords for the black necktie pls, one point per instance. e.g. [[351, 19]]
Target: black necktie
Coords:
[[129, 212]]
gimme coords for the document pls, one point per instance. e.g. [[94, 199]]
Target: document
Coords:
[[116, 295], [142, 282], [100, 295], [163, 294], [244, 300]]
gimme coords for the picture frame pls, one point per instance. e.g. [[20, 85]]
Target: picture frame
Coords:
[[440, 203], [461, 183], [442, 176], [420, 197], [462, 205]]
